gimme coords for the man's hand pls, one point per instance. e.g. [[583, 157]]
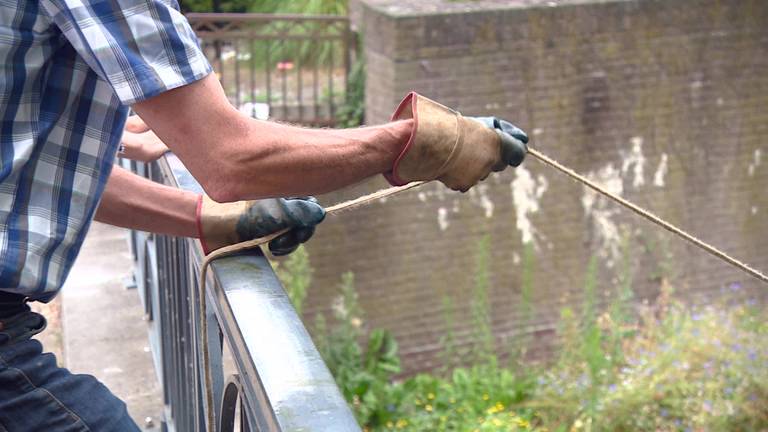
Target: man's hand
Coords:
[[135, 124], [459, 151], [220, 225], [143, 147]]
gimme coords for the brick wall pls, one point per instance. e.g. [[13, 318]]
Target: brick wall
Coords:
[[665, 102]]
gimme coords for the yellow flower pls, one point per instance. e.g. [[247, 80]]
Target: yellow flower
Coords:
[[401, 423], [497, 422], [452, 400], [431, 396], [428, 407], [418, 401], [499, 406], [486, 397], [390, 424], [522, 423]]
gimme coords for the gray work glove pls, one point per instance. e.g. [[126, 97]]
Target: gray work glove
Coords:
[[513, 141], [223, 224]]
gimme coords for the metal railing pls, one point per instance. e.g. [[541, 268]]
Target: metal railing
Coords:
[[278, 382], [291, 68]]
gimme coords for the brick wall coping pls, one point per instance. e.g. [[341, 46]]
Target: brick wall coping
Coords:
[[399, 8]]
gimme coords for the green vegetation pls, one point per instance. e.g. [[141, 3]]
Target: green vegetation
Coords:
[[296, 274], [668, 367], [352, 112], [330, 7]]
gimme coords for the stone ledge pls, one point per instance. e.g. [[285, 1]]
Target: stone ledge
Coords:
[[397, 9]]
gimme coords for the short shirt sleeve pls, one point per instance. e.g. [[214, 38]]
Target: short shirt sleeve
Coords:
[[140, 47]]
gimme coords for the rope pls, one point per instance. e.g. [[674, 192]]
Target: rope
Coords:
[[649, 216], [367, 199]]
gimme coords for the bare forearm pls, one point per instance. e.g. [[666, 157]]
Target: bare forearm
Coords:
[[235, 157], [134, 202], [272, 159]]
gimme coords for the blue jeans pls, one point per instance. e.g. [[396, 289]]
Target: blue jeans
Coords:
[[38, 396]]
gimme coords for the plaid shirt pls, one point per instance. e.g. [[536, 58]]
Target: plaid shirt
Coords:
[[70, 69]]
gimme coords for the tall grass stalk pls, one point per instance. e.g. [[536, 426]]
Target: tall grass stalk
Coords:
[[485, 349]]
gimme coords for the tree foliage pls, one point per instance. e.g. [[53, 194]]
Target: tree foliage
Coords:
[[329, 7]]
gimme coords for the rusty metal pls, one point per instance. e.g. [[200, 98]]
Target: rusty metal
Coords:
[[269, 45]]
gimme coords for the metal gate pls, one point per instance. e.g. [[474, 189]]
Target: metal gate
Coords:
[[291, 68]]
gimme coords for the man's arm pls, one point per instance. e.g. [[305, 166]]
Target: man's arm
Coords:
[[130, 201], [235, 157]]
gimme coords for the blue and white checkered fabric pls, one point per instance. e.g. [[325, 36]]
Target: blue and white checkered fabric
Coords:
[[70, 70]]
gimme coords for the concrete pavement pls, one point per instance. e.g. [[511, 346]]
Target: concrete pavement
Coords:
[[104, 333]]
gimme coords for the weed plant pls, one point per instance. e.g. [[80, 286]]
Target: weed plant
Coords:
[[664, 367]]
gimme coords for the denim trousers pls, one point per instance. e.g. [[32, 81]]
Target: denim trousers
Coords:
[[38, 396]]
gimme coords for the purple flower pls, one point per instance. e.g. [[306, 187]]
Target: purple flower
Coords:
[[664, 413], [735, 286], [752, 354]]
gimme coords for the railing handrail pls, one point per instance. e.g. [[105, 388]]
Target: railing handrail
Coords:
[[282, 381]]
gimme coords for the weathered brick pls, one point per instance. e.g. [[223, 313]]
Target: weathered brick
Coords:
[[588, 80]]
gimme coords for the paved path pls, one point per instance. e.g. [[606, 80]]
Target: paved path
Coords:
[[104, 333]]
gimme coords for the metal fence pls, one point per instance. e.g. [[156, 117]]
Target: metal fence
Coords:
[[291, 68], [278, 381]]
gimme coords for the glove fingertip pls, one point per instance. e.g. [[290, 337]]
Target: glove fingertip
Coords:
[[312, 212], [282, 252], [284, 244], [513, 151], [302, 235]]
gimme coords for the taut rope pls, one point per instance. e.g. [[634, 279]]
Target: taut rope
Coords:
[[650, 216], [367, 199]]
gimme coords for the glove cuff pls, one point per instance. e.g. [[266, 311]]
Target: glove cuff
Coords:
[[434, 140], [217, 222], [443, 145], [199, 224]]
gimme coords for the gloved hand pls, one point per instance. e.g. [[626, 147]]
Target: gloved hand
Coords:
[[222, 224], [459, 151]]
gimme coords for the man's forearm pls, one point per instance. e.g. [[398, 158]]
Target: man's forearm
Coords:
[[134, 202], [235, 157]]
